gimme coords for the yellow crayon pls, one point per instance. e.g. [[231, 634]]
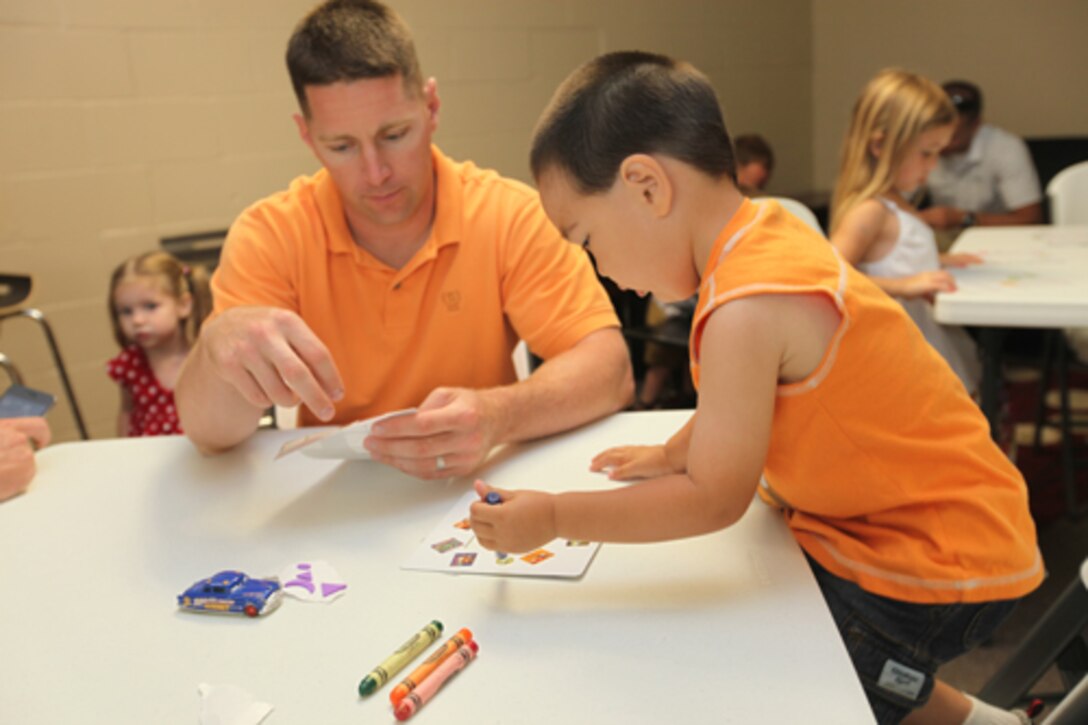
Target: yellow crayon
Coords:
[[395, 662]]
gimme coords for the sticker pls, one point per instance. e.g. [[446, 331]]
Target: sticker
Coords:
[[313, 581], [535, 557], [443, 546], [462, 524], [902, 680], [463, 559], [503, 559]]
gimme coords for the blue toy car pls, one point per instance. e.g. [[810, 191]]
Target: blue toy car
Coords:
[[232, 592]]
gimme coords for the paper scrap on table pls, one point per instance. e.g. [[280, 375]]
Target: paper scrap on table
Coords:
[[452, 548], [346, 442], [229, 705], [313, 581]]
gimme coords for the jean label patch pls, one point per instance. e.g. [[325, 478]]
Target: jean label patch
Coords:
[[902, 680]]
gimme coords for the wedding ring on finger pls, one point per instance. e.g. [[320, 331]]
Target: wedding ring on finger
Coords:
[[439, 463]]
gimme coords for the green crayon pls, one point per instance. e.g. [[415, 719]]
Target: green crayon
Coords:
[[395, 662]]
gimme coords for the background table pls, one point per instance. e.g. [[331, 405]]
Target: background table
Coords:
[[728, 627], [1033, 276]]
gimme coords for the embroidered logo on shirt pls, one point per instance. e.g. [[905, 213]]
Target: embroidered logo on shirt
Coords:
[[452, 301], [902, 680]]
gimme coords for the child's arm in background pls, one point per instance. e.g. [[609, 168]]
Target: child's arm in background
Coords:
[[729, 440], [865, 236], [626, 463], [125, 413], [959, 260]]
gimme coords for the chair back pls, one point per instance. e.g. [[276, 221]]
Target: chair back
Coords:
[[1068, 194], [796, 208]]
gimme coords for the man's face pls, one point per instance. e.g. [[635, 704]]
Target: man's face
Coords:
[[374, 138], [962, 136]]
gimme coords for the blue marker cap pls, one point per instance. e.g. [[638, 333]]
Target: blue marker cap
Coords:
[[493, 498]]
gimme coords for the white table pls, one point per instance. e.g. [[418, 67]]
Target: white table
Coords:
[[1033, 276], [728, 627]]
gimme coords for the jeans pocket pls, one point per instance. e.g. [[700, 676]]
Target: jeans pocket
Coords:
[[985, 622]]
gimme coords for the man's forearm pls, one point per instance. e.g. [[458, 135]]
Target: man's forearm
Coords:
[[213, 414], [1030, 214], [588, 381]]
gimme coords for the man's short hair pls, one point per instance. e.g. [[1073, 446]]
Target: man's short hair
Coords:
[[966, 97], [349, 40], [751, 147], [625, 103]]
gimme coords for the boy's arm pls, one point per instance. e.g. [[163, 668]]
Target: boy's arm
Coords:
[[627, 463], [729, 440]]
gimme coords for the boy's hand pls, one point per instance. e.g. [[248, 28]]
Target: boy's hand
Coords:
[[626, 463], [525, 520]]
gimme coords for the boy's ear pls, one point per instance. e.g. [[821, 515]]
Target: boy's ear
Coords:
[[644, 176]]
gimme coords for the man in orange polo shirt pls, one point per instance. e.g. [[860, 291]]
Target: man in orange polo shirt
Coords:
[[396, 277]]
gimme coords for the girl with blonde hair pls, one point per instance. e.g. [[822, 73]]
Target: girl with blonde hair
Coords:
[[899, 125], [157, 304]]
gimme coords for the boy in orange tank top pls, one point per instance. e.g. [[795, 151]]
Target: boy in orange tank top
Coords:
[[814, 389]]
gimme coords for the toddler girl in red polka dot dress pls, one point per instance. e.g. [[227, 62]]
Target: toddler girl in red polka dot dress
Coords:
[[157, 304]]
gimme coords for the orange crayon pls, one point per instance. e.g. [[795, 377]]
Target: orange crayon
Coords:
[[411, 682]]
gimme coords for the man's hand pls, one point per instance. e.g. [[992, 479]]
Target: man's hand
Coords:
[[626, 463], [450, 435], [525, 520], [19, 437], [270, 356]]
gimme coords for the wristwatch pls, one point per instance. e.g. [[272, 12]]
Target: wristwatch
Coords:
[[969, 220]]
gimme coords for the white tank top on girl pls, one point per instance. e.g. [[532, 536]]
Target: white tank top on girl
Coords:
[[915, 251]]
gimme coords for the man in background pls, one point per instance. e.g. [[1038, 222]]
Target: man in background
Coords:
[[985, 176], [755, 163]]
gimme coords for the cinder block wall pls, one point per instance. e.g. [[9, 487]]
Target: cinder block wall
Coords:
[[1028, 58], [124, 121]]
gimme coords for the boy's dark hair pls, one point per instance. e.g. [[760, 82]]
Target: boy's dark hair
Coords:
[[625, 103], [348, 40], [966, 97], [753, 147]]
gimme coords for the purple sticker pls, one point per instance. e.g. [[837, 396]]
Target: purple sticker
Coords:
[[327, 590]]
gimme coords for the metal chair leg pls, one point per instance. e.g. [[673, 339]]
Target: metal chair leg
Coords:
[[38, 317], [1046, 368], [1073, 709], [1055, 632], [10, 369]]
